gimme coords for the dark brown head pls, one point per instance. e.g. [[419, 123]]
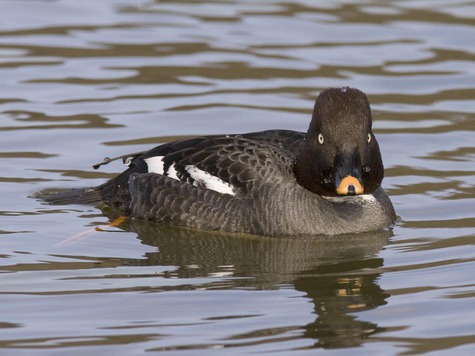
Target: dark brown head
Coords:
[[340, 155]]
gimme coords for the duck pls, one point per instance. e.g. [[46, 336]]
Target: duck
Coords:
[[326, 181]]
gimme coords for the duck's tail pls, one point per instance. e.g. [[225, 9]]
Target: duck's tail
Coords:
[[72, 196], [114, 192]]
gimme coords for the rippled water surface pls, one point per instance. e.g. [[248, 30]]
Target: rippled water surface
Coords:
[[84, 80]]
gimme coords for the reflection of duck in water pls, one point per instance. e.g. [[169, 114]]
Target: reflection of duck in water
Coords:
[[337, 297], [338, 273], [275, 183]]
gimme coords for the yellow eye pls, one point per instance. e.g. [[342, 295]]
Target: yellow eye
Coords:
[[320, 139], [369, 138]]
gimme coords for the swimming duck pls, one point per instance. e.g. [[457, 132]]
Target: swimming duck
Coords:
[[276, 183]]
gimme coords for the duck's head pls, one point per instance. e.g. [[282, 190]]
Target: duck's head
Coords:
[[340, 155]]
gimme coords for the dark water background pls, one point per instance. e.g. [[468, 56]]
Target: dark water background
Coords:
[[83, 80]]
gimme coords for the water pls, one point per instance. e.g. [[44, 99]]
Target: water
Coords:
[[92, 79]]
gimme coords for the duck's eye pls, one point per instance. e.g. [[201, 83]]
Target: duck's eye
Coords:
[[320, 139], [369, 138]]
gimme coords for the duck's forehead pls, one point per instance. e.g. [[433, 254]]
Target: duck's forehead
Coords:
[[345, 107], [347, 121]]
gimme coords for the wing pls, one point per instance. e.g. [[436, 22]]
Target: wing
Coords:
[[234, 165]]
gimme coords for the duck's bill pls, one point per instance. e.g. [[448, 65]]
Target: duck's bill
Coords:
[[350, 186]]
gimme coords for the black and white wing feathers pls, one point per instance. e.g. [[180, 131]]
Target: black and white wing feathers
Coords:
[[227, 164]]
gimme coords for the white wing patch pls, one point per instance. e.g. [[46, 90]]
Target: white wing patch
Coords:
[[171, 172], [209, 181], [155, 164]]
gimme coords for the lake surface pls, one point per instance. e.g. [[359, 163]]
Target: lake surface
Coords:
[[84, 80]]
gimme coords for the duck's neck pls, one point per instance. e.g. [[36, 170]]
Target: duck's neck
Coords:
[[343, 215]]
